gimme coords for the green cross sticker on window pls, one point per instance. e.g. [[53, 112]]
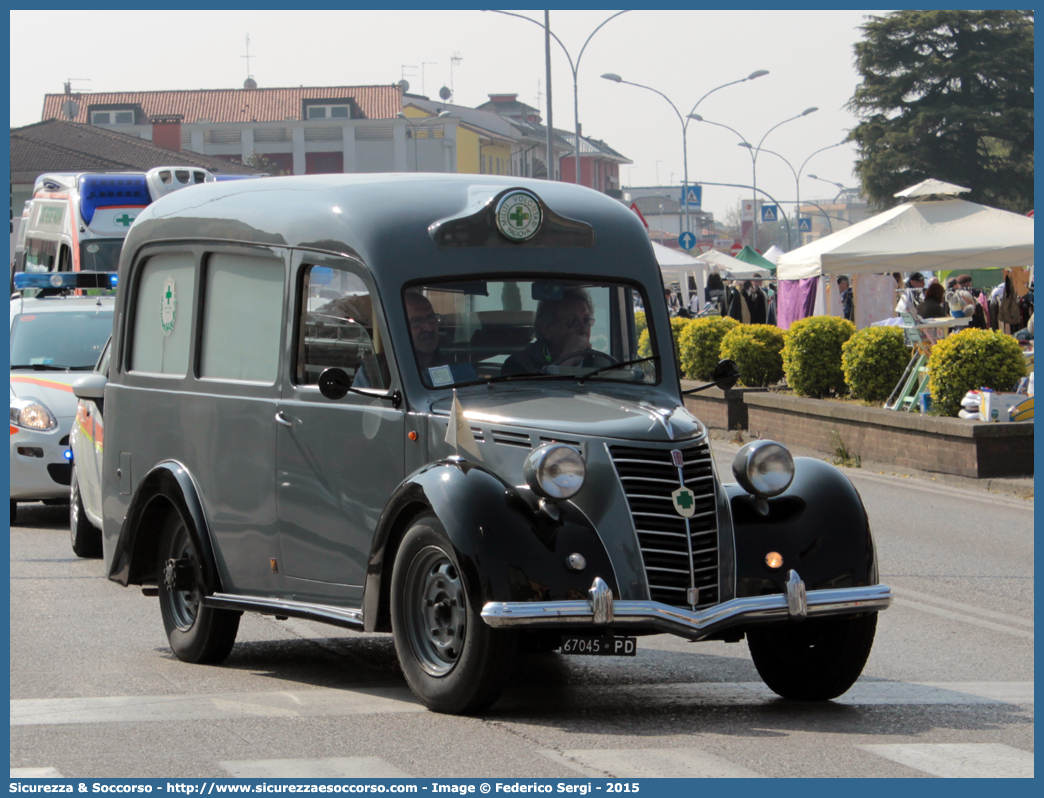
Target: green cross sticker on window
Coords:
[[684, 502], [518, 216]]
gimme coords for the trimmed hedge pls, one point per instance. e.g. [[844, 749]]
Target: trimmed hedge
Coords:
[[699, 346], [812, 355], [645, 346], [873, 361], [640, 324], [969, 360], [757, 350]]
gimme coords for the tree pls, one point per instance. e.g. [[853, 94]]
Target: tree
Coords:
[[259, 161], [949, 95]]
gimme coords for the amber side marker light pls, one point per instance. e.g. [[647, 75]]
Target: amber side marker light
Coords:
[[412, 435], [774, 560]]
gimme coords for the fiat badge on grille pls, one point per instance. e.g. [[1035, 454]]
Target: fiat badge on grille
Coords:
[[676, 458]]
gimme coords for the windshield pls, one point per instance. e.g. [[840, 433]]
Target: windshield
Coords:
[[100, 254], [526, 329], [72, 339]]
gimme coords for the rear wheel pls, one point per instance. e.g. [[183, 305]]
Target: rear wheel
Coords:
[[14, 510], [452, 660], [86, 537], [814, 660], [195, 633]]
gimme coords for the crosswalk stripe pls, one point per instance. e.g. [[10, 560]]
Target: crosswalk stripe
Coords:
[[347, 767], [960, 760], [35, 773], [336, 702], [963, 617], [283, 703], [647, 763]]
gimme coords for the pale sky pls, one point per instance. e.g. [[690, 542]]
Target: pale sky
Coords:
[[682, 53]]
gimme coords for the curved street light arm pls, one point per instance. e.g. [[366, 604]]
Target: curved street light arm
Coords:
[[708, 94], [614, 16], [719, 124], [753, 188], [821, 149], [550, 32], [789, 165]]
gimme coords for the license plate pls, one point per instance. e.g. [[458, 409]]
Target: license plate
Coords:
[[600, 646]]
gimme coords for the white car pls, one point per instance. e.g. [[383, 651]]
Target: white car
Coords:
[[53, 341]]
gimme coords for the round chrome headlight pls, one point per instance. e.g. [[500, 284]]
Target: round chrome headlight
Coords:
[[32, 414], [764, 468], [555, 471]]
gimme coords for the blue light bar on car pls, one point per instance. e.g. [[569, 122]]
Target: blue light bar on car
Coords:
[[112, 191], [64, 280]]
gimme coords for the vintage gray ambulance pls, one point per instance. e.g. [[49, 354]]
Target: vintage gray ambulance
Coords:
[[416, 404]]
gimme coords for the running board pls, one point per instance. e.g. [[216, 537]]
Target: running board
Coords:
[[283, 608]]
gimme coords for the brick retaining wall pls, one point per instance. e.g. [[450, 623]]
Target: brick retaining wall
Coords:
[[909, 440]]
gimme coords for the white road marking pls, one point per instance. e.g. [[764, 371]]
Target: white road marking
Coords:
[[645, 763], [284, 703], [960, 761], [960, 605], [35, 773], [349, 767], [332, 702], [963, 617]]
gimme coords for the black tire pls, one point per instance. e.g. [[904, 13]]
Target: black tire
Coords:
[[14, 511], [815, 660], [452, 660], [196, 633], [86, 537]]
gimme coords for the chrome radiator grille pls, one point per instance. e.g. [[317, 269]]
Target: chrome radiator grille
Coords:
[[679, 553]]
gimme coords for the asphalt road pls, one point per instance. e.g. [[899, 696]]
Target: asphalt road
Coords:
[[948, 689]]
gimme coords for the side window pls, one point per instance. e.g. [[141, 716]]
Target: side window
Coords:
[[336, 328], [242, 317], [163, 315], [39, 255], [65, 259]]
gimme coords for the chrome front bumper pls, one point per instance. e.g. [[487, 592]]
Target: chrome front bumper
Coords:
[[601, 610]]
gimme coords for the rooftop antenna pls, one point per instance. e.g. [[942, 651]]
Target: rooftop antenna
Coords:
[[68, 84], [250, 75], [424, 64], [539, 96], [455, 60], [412, 75]]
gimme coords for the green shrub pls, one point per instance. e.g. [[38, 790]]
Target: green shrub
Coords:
[[640, 324], [757, 350], [873, 361], [699, 346], [969, 360], [812, 355]]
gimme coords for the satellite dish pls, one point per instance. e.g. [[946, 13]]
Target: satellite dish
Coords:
[[404, 85], [70, 109], [445, 93]]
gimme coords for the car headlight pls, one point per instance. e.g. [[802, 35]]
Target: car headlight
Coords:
[[32, 414], [555, 471], [764, 468]]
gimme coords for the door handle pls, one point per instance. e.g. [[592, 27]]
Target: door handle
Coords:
[[281, 418]]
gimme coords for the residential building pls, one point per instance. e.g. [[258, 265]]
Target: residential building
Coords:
[[531, 157], [485, 143]]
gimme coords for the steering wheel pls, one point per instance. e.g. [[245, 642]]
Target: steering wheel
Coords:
[[608, 359]]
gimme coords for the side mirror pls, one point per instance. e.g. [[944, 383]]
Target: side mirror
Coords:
[[726, 374], [90, 386], [334, 383]]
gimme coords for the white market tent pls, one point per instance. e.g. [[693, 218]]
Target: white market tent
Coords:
[[934, 235], [733, 268], [676, 266]]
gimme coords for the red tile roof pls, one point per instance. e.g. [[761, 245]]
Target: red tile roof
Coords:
[[234, 105]]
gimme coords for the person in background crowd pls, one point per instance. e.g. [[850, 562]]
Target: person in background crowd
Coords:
[[755, 299], [694, 302], [844, 293], [911, 294], [673, 302], [714, 291], [931, 307]]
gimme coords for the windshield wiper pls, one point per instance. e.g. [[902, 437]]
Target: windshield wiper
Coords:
[[531, 375], [40, 367], [614, 366]]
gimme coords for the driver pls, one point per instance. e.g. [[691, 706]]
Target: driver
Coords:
[[563, 327]]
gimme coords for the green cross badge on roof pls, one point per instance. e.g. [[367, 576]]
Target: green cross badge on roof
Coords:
[[684, 502], [124, 220], [168, 307], [519, 216]]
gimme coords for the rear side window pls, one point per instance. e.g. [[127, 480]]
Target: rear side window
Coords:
[[163, 315], [242, 318]]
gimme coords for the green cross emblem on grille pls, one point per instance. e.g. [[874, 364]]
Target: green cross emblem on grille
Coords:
[[124, 220], [684, 502]]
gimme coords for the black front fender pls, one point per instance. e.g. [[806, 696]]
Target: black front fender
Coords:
[[168, 485], [818, 524], [507, 549]]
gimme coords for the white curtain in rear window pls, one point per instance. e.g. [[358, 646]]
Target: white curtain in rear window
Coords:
[[242, 316], [153, 352]]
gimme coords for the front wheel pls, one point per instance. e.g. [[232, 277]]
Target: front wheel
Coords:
[[452, 660], [814, 660], [196, 633], [86, 537]]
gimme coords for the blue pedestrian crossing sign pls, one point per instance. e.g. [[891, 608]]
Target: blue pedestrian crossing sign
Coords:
[[770, 213], [693, 197], [687, 240], [804, 225]]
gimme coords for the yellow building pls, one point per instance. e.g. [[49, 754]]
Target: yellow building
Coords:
[[485, 143]]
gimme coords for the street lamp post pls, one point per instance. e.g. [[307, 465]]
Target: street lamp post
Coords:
[[415, 126], [573, 68], [685, 124], [754, 154]]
